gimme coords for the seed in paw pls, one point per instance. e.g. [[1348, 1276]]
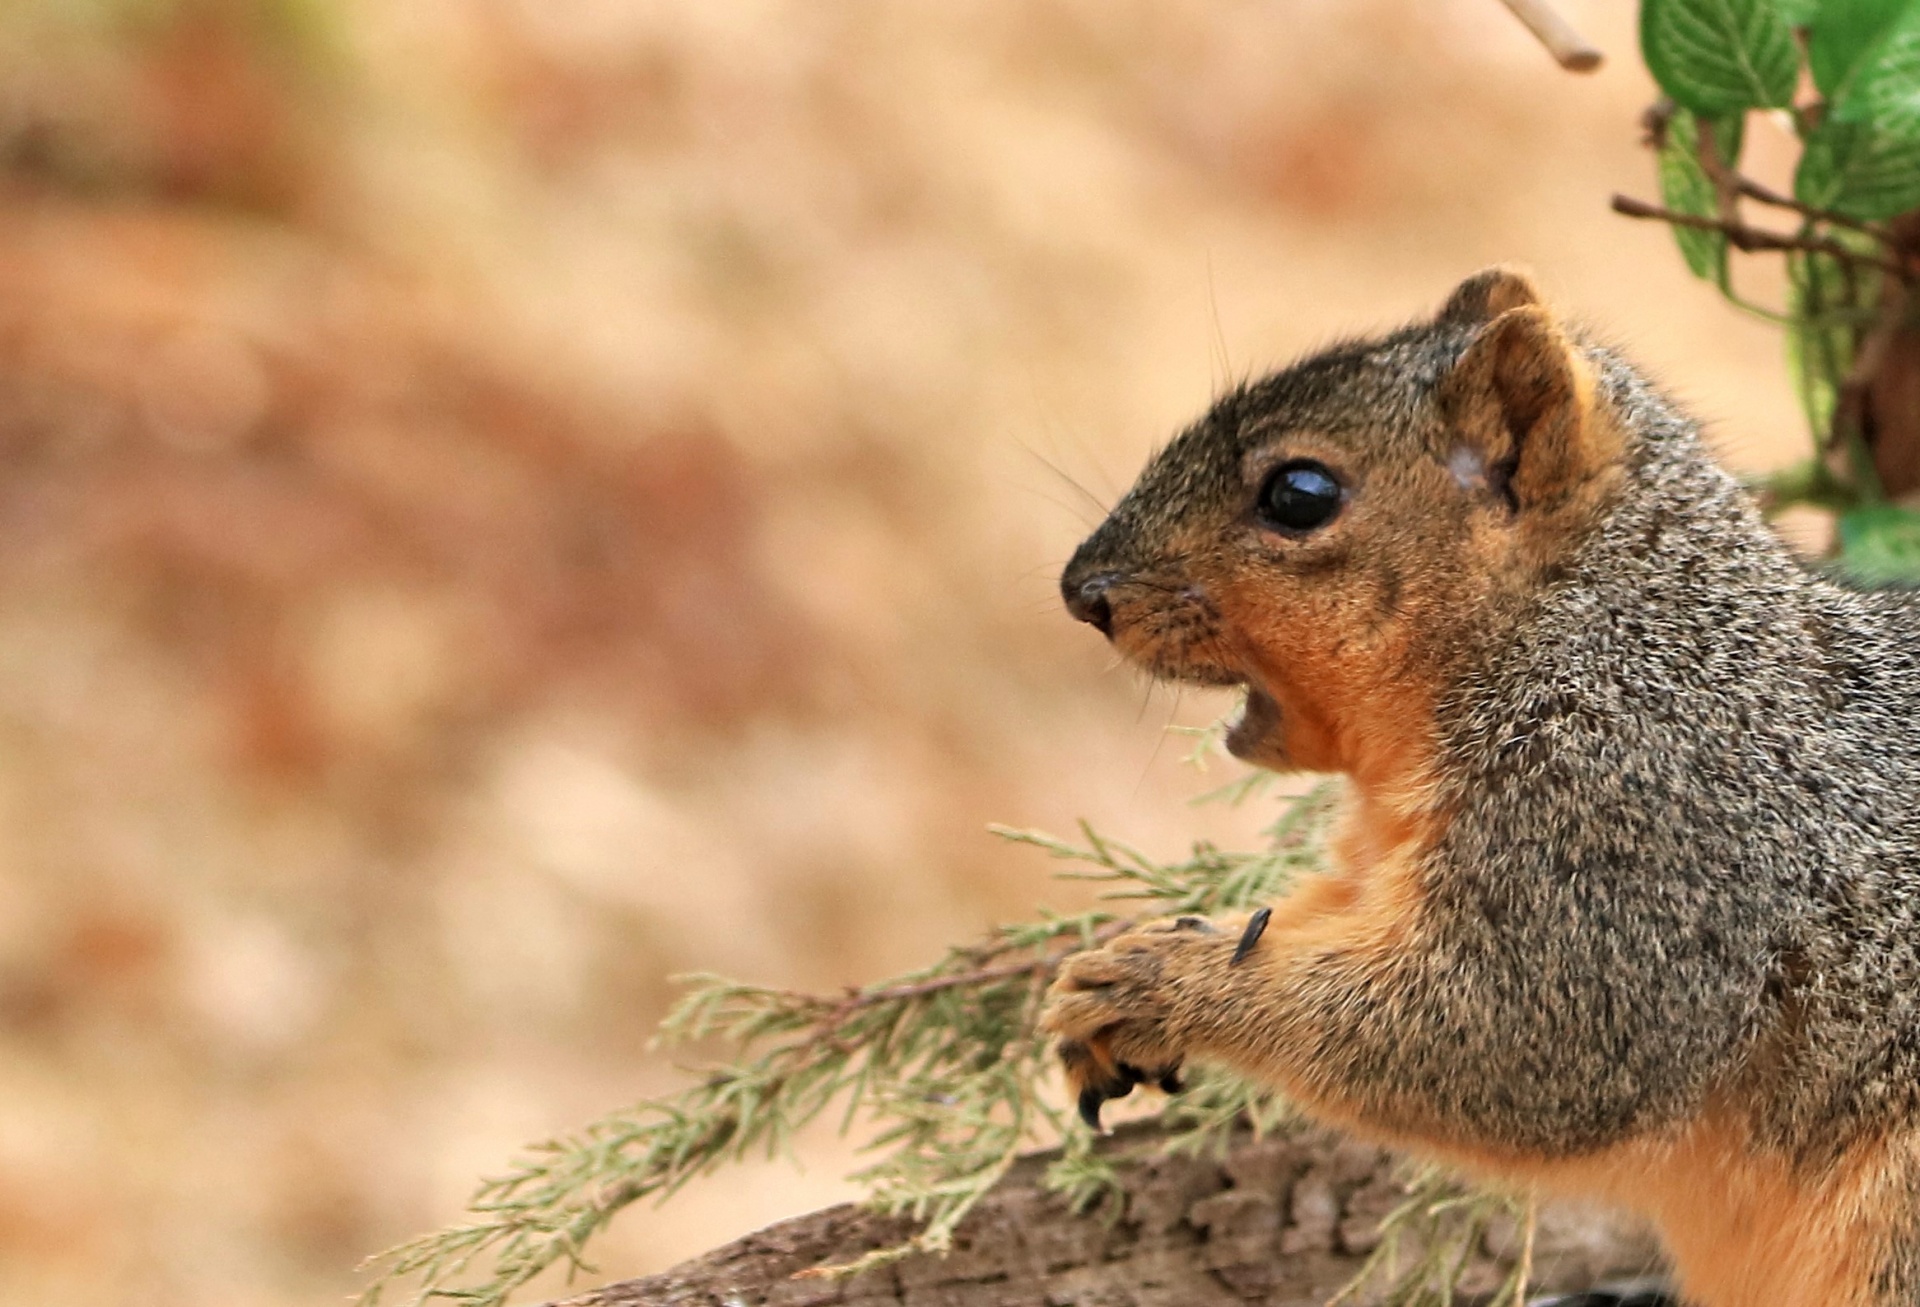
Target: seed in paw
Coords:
[[1256, 927]]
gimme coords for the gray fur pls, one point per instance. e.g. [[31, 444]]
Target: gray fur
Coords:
[[1686, 781]]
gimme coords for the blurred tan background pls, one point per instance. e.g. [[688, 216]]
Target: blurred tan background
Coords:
[[501, 503]]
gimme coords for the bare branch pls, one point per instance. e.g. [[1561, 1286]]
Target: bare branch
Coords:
[[1753, 190], [1568, 48], [1754, 238], [835, 1013]]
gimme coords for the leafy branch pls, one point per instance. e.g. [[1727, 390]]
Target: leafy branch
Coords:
[[1845, 78], [1751, 239]]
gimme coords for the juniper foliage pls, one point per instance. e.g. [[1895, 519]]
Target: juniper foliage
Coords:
[[943, 1066], [947, 1071]]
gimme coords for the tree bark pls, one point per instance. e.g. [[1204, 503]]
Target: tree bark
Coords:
[[1284, 1221], [1888, 370]]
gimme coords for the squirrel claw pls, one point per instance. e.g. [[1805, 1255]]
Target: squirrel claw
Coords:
[[1101, 1080], [1166, 1079], [1090, 1101], [1099, 1089], [1098, 1093]]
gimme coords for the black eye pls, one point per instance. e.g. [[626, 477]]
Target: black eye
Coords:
[[1300, 496]]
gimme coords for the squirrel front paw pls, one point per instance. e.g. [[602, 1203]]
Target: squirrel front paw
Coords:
[[1125, 1014]]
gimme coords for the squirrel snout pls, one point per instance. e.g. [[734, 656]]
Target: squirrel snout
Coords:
[[1087, 599]]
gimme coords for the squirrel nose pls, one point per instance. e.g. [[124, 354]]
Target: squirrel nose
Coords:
[[1087, 600]]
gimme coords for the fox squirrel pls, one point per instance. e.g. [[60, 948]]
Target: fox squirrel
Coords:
[[1626, 899]]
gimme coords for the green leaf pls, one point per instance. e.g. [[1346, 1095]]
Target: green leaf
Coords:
[[1880, 544], [1720, 56], [1883, 91], [1801, 13], [1842, 37], [1864, 159], [1686, 188], [1859, 170], [1826, 162]]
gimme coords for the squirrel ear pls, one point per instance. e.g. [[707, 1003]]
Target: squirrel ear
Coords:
[[1488, 293], [1518, 405]]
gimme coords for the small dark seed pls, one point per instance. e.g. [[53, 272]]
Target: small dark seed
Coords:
[[1256, 927]]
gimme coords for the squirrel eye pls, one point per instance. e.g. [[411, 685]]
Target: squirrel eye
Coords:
[[1301, 495]]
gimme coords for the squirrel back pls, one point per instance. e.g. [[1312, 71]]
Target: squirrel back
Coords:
[[1724, 745], [1628, 897]]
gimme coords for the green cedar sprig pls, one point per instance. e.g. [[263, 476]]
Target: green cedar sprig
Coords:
[[944, 1066]]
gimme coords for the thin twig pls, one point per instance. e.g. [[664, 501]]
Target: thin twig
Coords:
[[1850, 278], [834, 1014], [1524, 1271], [1569, 49], [1850, 401], [1754, 238], [1726, 186], [1753, 190], [865, 998], [1655, 121]]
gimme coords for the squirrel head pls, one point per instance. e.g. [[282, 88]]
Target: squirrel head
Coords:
[[1340, 536]]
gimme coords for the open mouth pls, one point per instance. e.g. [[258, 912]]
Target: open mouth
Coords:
[[1256, 735]]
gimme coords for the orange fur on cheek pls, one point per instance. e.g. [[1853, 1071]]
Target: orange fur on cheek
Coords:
[[1366, 711]]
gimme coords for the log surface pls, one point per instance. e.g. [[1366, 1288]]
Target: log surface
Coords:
[[1284, 1221]]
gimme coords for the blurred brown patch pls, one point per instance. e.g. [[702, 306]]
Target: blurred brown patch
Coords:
[[109, 948], [279, 498], [502, 503], [205, 101], [218, 112]]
